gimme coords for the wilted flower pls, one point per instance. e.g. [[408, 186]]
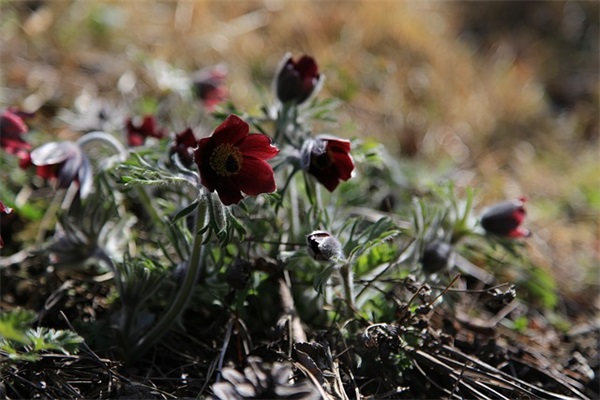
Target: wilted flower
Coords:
[[12, 127], [437, 256], [208, 85], [261, 380], [138, 131], [324, 246], [232, 161], [3, 210], [64, 163], [185, 143], [328, 159], [296, 81], [505, 219]]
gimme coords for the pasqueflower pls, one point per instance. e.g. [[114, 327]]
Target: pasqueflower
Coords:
[[296, 81], [208, 86], [64, 163], [437, 256], [138, 131], [232, 161], [328, 159], [505, 219], [12, 127], [185, 143]]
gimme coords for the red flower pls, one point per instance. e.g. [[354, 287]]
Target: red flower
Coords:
[[208, 86], [232, 161], [296, 81], [64, 163], [12, 127], [505, 219], [138, 132], [3, 210], [185, 143], [327, 159]]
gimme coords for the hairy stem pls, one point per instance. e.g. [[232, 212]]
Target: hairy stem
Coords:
[[348, 283], [184, 293]]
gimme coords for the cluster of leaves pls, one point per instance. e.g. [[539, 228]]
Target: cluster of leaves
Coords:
[[20, 342], [172, 245]]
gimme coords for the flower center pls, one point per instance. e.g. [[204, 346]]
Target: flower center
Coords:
[[226, 160]]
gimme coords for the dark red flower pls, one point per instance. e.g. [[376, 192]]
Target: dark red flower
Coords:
[[208, 85], [185, 143], [232, 161], [138, 131], [12, 127], [328, 159], [296, 81], [3, 210], [64, 163], [505, 219]]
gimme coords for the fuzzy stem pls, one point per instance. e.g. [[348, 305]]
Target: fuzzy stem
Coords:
[[348, 283], [184, 293], [105, 138]]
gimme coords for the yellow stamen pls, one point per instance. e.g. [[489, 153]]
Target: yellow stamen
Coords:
[[226, 160]]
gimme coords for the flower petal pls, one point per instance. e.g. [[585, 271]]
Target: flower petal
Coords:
[[258, 146], [228, 192], [256, 177], [53, 153], [344, 165], [232, 130]]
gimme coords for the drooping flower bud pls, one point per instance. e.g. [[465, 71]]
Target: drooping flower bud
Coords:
[[12, 127], [323, 246], [437, 256], [297, 81], [505, 219], [140, 129], [184, 145], [209, 87], [328, 159], [64, 163]]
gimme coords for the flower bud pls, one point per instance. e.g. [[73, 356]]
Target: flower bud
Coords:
[[437, 256], [296, 81], [328, 159], [505, 219], [323, 246]]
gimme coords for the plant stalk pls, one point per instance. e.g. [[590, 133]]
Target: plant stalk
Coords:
[[183, 295], [348, 283]]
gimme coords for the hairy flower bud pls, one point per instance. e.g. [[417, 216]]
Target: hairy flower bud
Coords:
[[505, 219], [323, 246], [297, 81], [437, 256]]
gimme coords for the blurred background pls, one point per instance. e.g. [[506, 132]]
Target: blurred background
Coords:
[[499, 96]]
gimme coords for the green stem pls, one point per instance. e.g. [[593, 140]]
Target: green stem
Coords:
[[348, 282], [183, 295]]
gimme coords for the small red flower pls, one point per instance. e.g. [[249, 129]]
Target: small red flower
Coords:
[[505, 219], [232, 161], [208, 85], [64, 163], [138, 131], [185, 143], [12, 127], [3, 210], [296, 81], [328, 159]]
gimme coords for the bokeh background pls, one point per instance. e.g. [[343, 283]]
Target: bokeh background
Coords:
[[499, 96]]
